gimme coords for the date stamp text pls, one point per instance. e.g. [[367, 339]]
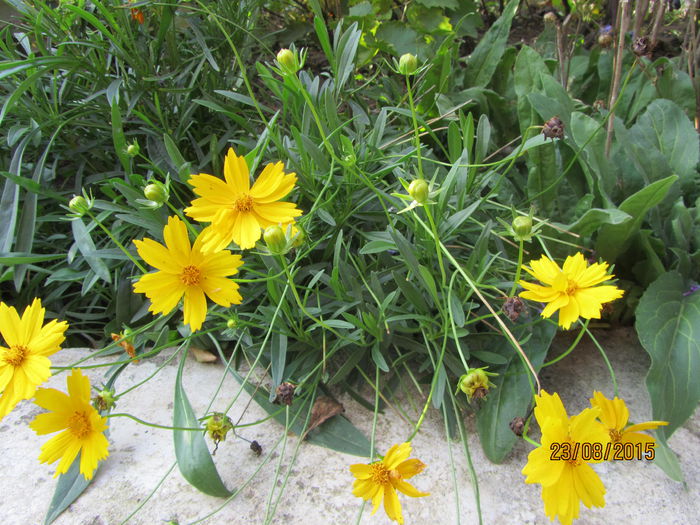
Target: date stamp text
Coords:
[[615, 451]]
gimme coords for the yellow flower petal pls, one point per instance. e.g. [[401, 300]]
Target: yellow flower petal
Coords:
[[246, 231], [195, 308], [392, 507], [396, 455], [236, 172]]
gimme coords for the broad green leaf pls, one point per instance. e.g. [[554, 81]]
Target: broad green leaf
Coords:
[[401, 37], [484, 59], [589, 137], [594, 218], [613, 239], [667, 461], [337, 433], [10, 259], [529, 71], [445, 4], [70, 485], [193, 457], [543, 172], [512, 394], [668, 325], [665, 128]]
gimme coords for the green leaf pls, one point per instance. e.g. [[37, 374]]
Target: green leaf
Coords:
[[512, 394], [118, 137], [613, 239], [445, 4], [668, 325], [667, 461], [594, 218], [484, 60], [70, 485], [278, 357], [665, 128], [402, 38], [193, 457], [87, 249]]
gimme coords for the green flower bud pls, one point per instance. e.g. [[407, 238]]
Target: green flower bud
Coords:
[[231, 324], [79, 205], [408, 64], [287, 60], [275, 239], [132, 150], [156, 192], [475, 383], [522, 228], [419, 190], [104, 400]]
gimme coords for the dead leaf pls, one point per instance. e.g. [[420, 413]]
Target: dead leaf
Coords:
[[203, 356], [324, 408]]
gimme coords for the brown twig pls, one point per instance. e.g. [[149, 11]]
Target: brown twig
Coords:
[[623, 25], [640, 12], [658, 18]]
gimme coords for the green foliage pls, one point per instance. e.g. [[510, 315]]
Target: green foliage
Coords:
[[383, 284]]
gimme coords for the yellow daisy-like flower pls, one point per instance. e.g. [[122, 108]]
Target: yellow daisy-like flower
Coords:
[[82, 426], [571, 289], [380, 480], [24, 363], [237, 211], [614, 415], [565, 483], [188, 271]]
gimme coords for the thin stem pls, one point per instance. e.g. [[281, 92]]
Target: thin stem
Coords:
[[605, 358], [584, 327], [154, 425], [517, 270], [433, 227], [115, 241], [416, 135]]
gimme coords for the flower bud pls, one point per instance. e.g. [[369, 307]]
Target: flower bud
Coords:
[[287, 60], [79, 205], [132, 150], [605, 40], [419, 191], [156, 192], [475, 383], [231, 324], [408, 64], [522, 228], [104, 400], [275, 239]]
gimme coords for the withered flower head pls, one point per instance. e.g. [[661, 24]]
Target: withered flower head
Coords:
[[513, 307], [255, 447], [285, 394], [553, 128], [517, 425], [641, 46]]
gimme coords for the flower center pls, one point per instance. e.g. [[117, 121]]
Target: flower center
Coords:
[[15, 355], [615, 435], [190, 275], [380, 474], [79, 425], [245, 203], [571, 287]]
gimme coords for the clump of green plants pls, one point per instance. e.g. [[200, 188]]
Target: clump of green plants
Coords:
[[173, 181]]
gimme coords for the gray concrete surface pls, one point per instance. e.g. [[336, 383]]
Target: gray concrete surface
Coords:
[[318, 491]]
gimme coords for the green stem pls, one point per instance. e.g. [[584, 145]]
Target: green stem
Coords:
[[605, 358], [155, 425], [517, 270], [436, 237], [416, 135], [571, 348], [115, 241]]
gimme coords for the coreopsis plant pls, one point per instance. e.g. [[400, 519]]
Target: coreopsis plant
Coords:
[[24, 362], [83, 427], [185, 270], [238, 212], [380, 480], [572, 289]]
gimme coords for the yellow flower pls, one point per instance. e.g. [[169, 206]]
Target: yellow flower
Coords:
[[188, 271], [236, 211], [381, 479], [82, 426], [571, 289], [614, 416], [565, 483], [24, 364]]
